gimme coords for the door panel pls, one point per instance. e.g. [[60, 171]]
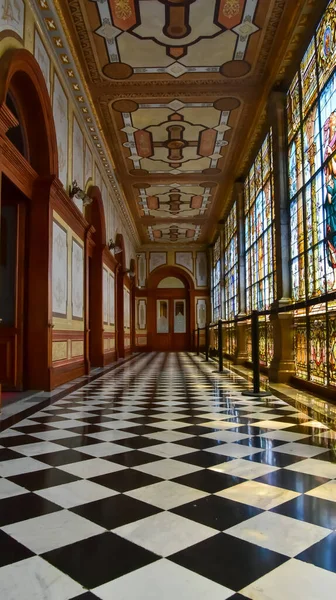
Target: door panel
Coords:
[[170, 325]]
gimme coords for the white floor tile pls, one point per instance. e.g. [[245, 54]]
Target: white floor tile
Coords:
[[167, 469], [235, 450], [246, 469], [35, 579], [165, 580], [279, 533], [166, 494], [17, 466], [311, 466], [103, 449], [327, 491], [165, 533], [258, 494], [297, 449], [9, 489], [55, 530], [294, 580], [168, 450], [38, 448], [91, 468], [76, 493]]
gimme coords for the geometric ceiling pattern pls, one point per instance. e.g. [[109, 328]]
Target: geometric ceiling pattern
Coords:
[[176, 84]]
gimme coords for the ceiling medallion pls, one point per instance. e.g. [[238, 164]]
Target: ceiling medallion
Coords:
[[123, 9], [231, 8]]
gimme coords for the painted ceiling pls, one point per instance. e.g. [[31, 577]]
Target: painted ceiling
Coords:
[[176, 84]]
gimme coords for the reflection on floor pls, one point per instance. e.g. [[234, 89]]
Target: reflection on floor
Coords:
[[162, 481]]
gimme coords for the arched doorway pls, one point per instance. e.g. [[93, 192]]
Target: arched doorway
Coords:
[[29, 156], [169, 309]]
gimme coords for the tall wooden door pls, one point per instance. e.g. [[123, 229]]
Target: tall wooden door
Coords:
[[12, 284], [169, 322]]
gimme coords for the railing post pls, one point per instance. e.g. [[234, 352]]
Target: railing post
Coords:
[[207, 343], [220, 346], [198, 341], [255, 359]]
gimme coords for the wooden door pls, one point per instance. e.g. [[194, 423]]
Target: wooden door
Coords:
[[169, 321], [12, 274]]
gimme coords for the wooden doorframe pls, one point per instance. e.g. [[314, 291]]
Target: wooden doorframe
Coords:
[[22, 77], [153, 292]]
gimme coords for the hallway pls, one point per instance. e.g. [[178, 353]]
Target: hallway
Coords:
[[160, 480]]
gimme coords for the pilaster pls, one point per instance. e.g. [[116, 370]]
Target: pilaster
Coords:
[[282, 366], [241, 326]]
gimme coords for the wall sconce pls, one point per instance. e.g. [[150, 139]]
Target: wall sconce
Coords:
[[76, 191], [112, 246]]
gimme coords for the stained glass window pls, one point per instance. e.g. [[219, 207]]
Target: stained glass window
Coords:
[[311, 116], [216, 276], [259, 230], [231, 265]]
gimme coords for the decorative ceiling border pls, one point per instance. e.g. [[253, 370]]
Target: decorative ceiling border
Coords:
[[49, 16]]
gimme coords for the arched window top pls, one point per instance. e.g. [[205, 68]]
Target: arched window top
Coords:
[[16, 134]]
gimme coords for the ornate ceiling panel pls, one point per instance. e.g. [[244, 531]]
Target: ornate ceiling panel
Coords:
[[176, 83]]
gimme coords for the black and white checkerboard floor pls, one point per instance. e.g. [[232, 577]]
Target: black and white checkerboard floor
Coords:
[[162, 482]]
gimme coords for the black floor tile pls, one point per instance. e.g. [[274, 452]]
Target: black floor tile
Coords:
[[274, 459], [89, 596], [77, 441], [17, 440], [312, 510], [290, 480], [116, 511], [199, 443], [132, 458], [218, 513], [204, 459], [137, 442], [99, 559], [28, 429], [229, 561], [26, 506], [258, 442], [209, 481], [322, 554], [198, 429], [141, 429], [12, 551], [38, 480], [329, 456], [126, 480], [63, 457], [86, 429], [8, 454]]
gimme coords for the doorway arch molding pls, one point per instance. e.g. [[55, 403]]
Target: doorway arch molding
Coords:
[[170, 271], [21, 75]]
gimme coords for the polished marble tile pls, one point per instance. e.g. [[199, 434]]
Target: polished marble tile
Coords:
[[166, 494], [279, 533], [91, 467], [326, 491], [165, 580], [24, 506], [257, 494], [76, 493], [243, 468], [234, 450], [218, 513], [298, 482], [298, 449], [165, 533], [313, 466], [208, 558], [125, 480], [167, 468], [8, 489], [115, 511], [20, 465], [294, 579], [322, 554], [310, 509], [209, 481], [11, 551], [35, 579], [47, 532], [99, 559]]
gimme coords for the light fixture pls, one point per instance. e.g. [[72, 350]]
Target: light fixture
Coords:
[[132, 274], [76, 192], [114, 247]]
